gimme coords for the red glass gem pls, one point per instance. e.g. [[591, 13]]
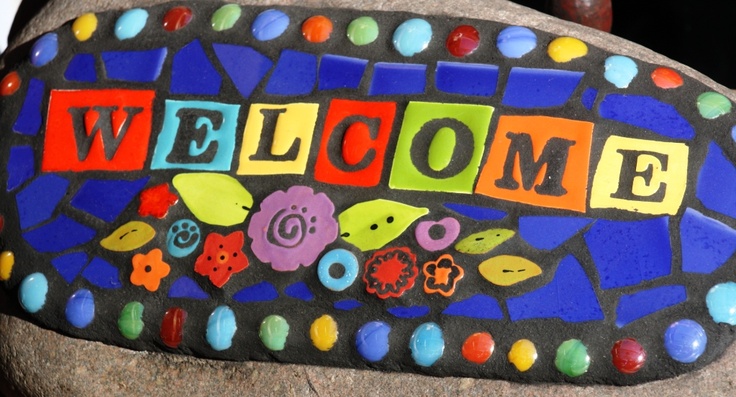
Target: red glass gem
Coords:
[[666, 78], [317, 29], [177, 18], [478, 348], [172, 327], [10, 84], [462, 41], [628, 355]]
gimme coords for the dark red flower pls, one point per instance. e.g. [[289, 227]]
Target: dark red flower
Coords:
[[155, 201], [390, 272], [442, 275], [222, 257]]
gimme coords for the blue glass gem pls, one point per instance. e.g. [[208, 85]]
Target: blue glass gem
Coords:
[[70, 265], [37, 202], [516, 41], [344, 259], [221, 327], [21, 166], [733, 133], [29, 119], [643, 303], [82, 69], [721, 302], [261, 292], [245, 79], [620, 70], [472, 79], [398, 79], [427, 344], [80, 309], [685, 340], [336, 72], [482, 307], [106, 199], [295, 74], [372, 342], [102, 274], [347, 305], [193, 73], [269, 25], [716, 187], [59, 235], [475, 212], [299, 290], [646, 112], [130, 23], [45, 49], [540, 88], [549, 232], [412, 37], [32, 292], [408, 311], [185, 287], [134, 66], [706, 243], [588, 98], [183, 238]]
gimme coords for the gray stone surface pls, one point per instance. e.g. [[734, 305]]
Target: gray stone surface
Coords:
[[37, 362]]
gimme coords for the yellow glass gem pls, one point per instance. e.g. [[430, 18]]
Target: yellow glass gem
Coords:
[[84, 26], [128, 237], [323, 333], [565, 49], [508, 270], [7, 260], [523, 354]]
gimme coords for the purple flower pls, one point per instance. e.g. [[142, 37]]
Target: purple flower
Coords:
[[292, 228]]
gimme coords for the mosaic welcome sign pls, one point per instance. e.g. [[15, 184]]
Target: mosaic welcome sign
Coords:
[[369, 190]]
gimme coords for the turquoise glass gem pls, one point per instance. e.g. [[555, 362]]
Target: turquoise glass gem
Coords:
[[273, 332], [516, 41], [45, 49], [427, 344], [412, 37], [80, 309], [344, 259], [685, 341], [269, 25], [372, 340], [221, 328], [620, 70], [721, 302], [130, 23], [32, 292]]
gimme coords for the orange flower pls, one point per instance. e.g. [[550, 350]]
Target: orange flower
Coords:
[[442, 275], [149, 269]]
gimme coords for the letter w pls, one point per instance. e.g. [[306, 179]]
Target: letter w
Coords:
[[103, 126]]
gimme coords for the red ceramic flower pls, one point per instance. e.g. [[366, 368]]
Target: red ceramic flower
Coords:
[[222, 257], [390, 272], [149, 269], [442, 275], [156, 200]]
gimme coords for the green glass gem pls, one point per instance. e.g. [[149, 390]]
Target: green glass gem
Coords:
[[130, 322], [225, 17], [273, 333], [572, 358], [712, 105], [363, 30], [441, 149]]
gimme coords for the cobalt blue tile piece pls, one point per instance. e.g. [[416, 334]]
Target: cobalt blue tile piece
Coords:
[[475, 212], [295, 74], [398, 79], [106, 199], [261, 292], [472, 79], [588, 98], [628, 253], [245, 79], [716, 187], [59, 235], [29, 119], [299, 290], [37, 202], [482, 307], [706, 243], [646, 112], [336, 71], [82, 69], [540, 88], [569, 297], [549, 232], [70, 265], [408, 311], [347, 305], [134, 66], [102, 274], [185, 287], [643, 303], [21, 166], [193, 73]]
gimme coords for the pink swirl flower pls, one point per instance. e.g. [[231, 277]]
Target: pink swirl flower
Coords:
[[292, 228]]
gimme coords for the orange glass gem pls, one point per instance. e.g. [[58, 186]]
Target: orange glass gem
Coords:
[[177, 18], [10, 84], [666, 78], [478, 348], [317, 29]]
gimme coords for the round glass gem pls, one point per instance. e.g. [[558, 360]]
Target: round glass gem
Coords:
[[273, 332], [324, 333], [225, 17], [516, 41], [478, 347], [666, 78], [269, 25], [721, 302], [427, 344], [685, 340], [131, 23], [32, 292], [565, 49], [339, 257], [177, 18], [572, 358], [80, 308], [462, 41], [412, 37], [620, 70], [84, 26], [523, 354], [628, 356], [372, 341], [317, 29], [362, 31], [7, 262], [130, 322], [45, 49], [712, 105], [10, 84]]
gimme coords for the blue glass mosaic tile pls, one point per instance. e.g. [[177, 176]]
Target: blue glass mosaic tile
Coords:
[[21, 166], [408, 311], [185, 287], [706, 243], [716, 187], [549, 232], [102, 274], [37, 201], [106, 199], [295, 74], [475, 212], [336, 72], [299, 290], [59, 235], [245, 79], [482, 307], [261, 292], [70, 265], [398, 79], [466, 78], [646, 112], [540, 88], [643, 303], [347, 305], [82, 69], [193, 73], [134, 66], [588, 98], [29, 119]]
